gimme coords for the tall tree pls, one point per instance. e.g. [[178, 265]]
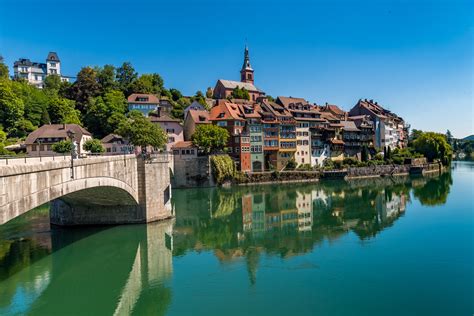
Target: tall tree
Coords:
[[62, 110], [105, 113], [85, 87], [433, 146], [210, 138], [125, 75], [53, 83], [140, 131], [106, 78], [449, 137], [4, 74], [12, 107]]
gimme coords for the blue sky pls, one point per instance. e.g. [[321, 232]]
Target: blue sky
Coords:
[[415, 57]]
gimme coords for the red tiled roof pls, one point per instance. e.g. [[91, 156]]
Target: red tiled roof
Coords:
[[286, 101], [199, 116], [152, 99], [225, 110]]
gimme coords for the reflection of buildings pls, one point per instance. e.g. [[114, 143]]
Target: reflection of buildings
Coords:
[[304, 204]]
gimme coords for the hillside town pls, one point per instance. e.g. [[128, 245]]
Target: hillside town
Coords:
[[264, 133]]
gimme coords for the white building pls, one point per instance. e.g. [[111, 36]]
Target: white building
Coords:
[[36, 72]]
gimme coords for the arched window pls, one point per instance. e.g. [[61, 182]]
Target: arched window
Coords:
[[249, 76]]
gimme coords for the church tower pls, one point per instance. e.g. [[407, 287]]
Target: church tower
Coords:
[[246, 73]]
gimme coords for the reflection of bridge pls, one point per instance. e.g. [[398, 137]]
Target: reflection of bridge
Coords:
[[100, 190], [110, 281]]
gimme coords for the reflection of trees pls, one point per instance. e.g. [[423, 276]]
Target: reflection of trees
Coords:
[[435, 191]]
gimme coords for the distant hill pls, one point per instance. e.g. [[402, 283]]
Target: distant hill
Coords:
[[470, 137]]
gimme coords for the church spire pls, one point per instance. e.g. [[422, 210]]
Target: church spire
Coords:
[[246, 73]]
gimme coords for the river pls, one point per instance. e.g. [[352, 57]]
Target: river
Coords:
[[390, 246]]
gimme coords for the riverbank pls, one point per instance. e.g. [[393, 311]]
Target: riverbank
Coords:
[[206, 177], [380, 171]]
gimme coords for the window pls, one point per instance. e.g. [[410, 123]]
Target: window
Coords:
[[52, 64], [170, 139], [222, 123], [33, 147], [237, 150], [237, 140], [170, 130]]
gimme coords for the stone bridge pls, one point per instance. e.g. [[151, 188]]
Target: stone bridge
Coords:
[[100, 190]]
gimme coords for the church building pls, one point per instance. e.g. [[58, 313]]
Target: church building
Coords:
[[224, 88]]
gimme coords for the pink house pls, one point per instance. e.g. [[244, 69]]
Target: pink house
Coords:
[[170, 126]]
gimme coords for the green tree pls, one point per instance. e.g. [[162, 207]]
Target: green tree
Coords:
[[94, 146], [62, 110], [240, 93], [210, 138], [415, 133], [140, 131], [103, 114], [4, 73], [175, 94], [125, 75], [449, 137], [106, 78], [85, 87], [62, 147], [178, 108], [146, 83], [52, 82], [433, 146], [12, 107]]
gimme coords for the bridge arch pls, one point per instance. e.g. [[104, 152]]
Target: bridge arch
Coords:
[[120, 189]]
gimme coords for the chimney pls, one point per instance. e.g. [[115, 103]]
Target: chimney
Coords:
[[365, 100], [371, 101]]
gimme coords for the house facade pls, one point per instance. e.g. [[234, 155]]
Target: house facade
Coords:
[[116, 145], [192, 120], [144, 103], [40, 142], [170, 126], [35, 73]]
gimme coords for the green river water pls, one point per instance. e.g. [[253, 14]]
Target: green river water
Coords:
[[391, 246]]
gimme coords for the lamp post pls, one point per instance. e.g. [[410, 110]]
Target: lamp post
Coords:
[[39, 148], [71, 134]]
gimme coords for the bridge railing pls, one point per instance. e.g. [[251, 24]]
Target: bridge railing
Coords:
[[8, 160], [18, 160]]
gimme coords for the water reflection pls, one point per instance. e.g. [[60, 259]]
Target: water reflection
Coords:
[[288, 220], [128, 269], [94, 271]]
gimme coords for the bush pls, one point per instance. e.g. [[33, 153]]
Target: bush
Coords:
[[94, 146], [351, 162], [290, 165], [305, 167], [62, 147], [223, 168]]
